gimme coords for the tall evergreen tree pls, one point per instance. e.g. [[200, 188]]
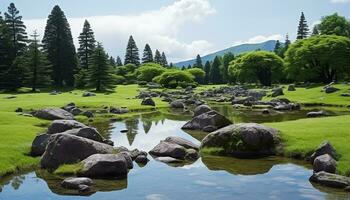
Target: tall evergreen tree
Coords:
[[86, 45], [164, 61], [198, 63], [99, 72], [132, 53], [158, 57], [207, 67], [112, 61], [226, 59], [287, 43], [183, 68], [17, 30], [277, 47], [119, 61], [189, 66], [147, 54], [6, 50], [215, 76], [315, 31], [58, 43], [303, 29]]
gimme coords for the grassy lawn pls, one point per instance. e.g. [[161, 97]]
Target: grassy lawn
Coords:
[[303, 136]]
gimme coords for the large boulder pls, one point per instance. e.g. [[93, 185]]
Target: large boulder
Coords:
[[66, 149], [39, 144], [325, 163], [324, 148], [243, 140], [148, 102], [212, 118], [201, 109], [182, 142], [330, 180], [53, 114], [104, 165], [76, 183], [87, 132], [59, 126], [166, 149], [177, 104]]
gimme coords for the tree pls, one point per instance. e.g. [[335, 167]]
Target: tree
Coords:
[[158, 57], [172, 78], [226, 59], [132, 53], [198, 74], [264, 66], [198, 63], [215, 75], [315, 30], [148, 71], [112, 61], [119, 61], [86, 45], [147, 54], [99, 73], [277, 47], [58, 44], [17, 30], [164, 61], [6, 50], [303, 29], [322, 58], [334, 25], [207, 67]]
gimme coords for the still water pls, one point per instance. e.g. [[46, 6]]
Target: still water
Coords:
[[210, 177]]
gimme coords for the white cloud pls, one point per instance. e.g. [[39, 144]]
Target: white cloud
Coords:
[[340, 1], [260, 39], [159, 28]]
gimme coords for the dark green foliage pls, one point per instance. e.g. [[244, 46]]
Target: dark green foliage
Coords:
[[86, 45], [189, 67], [315, 30], [147, 54], [58, 43], [6, 50], [215, 75], [148, 71], [322, 58], [334, 25], [99, 72], [132, 53], [158, 57], [226, 59], [119, 61], [207, 67], [277, 47], [264, 66], [183, 68], [112, 61], [198, 74], [164, 61], [303, 29], [198, 63], [172, 78]]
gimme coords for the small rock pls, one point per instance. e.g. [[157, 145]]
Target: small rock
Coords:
[[19, 110], [345, 94], [201, 109], [88, 114], [330, 180], [76, 111], [182, 142], [83, 188], [291, 87], [148, 102], [166, 149], [324, 148], [10, 97], [277, 92], [191, 154], [39, 144], [141, 159], [211, 118], [168, 160], [317, 114], [325, 163], [74, 183], [331, 89], [177, 104], [88, 94]]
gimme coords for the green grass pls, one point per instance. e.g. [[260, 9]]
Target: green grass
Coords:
[[71, 169], [302, 137]]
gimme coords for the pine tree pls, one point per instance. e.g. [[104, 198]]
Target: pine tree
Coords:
[[198, 63], [215, 76], [58, 43], [164, 61], [86, 45], [183, 68], [99, 72], [277, 47], [287, 43], [189, 67], [207, 72], [315, 31], [226, 59], [158, 57], [132, 53], [6, 50], [171, 65], [112, 61], [119, 61], [147, 54], [303, 29], [17, 30]]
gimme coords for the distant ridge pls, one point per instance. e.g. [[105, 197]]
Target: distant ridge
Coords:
[[236, 50]]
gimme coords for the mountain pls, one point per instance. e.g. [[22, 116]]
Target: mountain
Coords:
[[236, 50]]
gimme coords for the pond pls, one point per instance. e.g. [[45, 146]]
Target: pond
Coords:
[[210, 177]]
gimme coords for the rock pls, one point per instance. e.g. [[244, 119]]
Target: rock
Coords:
[[88, 94], [166, 149], [59, 126], [135, 153], [209, 129], [177, 104], [76, 111], [243, 140], [324, 148], [104, 165], [244, 101], [168, 160], [88, 133], [118, 110], [88, 114], [331, 89], [148, 102], [281, 101], [345, 94], [325, 163], [53, 114], [141, 159], [74, 183], [19, 110], [330, 180], [265, 111], [317, 114], [211, 118], [83, 188], [277, 92], [291, 87], [182, 142], [201, 109], [68, 149], [347, 189], [39, 144], [10, 97], [191, 154]]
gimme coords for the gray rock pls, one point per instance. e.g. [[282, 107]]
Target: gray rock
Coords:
[[331, 89], [191, 154], [68, 149], [168, 160], [182, 142], [330, 180], [211, 118], [291, 87], [177, 104], [59, 126], [257, 95], [317, 114], [74, 183], [347, 189], [118, 110], [83, 188], [345, 94], [128, 159], [135, 153], [148, 102], [209, 128], [277, 92], [53, 114], [141, 159], [76, 111], [104, 165], [243, 140], [325, 163], [166, 149], [10, 97], [201, 109], [88, 114], [88, 94], [324, 148], [39, 144], [88, 133]]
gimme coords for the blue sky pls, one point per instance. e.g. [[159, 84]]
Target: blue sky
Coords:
[[181, 28]]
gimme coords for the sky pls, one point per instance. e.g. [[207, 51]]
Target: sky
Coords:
[[180, 28]]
